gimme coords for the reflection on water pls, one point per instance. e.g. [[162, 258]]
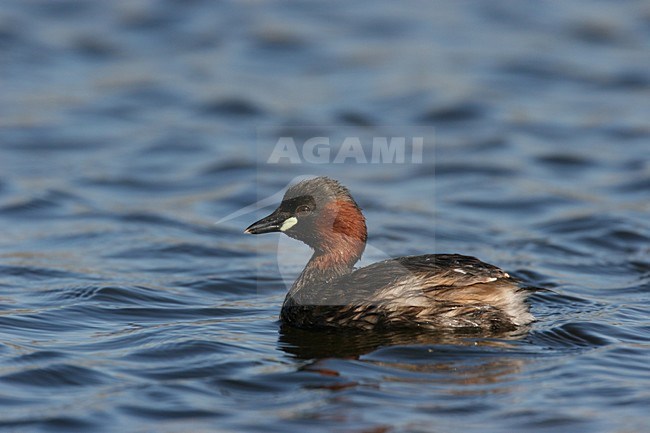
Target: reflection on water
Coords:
[[306, 344], [128, 128], [455, 361]]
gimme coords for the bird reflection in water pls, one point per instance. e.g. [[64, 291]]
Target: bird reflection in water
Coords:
[[468, 358]]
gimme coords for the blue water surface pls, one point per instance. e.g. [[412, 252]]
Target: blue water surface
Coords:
[[128, 128]]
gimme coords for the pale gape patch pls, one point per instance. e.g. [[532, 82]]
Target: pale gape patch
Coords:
[[288, 223]]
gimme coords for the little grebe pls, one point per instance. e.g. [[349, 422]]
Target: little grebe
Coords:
[[432, 290]]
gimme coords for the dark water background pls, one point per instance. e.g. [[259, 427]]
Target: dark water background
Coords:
[[127, 128]]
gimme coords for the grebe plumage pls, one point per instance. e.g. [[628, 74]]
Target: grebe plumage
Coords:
[[441, 291]]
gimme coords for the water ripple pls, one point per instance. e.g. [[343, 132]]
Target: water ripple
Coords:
[[128, 128], [55, 376]]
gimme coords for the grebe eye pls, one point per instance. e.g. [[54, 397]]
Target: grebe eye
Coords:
[[303, 210]]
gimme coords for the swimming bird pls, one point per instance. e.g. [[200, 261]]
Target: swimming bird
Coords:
[[437, 291]]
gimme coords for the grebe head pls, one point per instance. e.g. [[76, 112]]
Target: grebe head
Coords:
[[321, 213]]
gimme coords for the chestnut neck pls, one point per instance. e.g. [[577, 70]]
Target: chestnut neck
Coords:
[[341, 233]]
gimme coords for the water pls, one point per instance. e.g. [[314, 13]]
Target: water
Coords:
[[127, 128]]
